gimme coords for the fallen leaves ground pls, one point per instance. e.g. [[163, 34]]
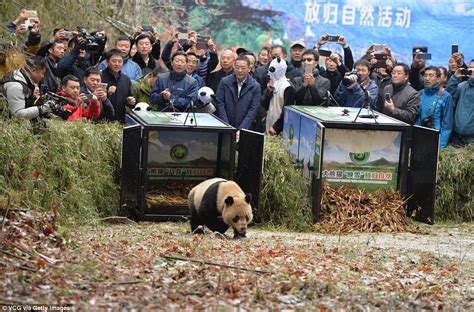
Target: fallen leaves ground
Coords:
[[128, 266]]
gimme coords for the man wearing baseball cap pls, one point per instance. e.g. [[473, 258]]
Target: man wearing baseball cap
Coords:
[[296, 52]]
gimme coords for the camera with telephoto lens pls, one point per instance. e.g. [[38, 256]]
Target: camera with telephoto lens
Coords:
[[55, 103], [466, 72], [351, 78], [90, 41], [427, 122]]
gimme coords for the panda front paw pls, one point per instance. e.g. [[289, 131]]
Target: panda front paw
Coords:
[[238, 235], [199, 230]]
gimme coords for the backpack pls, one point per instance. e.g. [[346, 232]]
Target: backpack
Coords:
[[9, 77]]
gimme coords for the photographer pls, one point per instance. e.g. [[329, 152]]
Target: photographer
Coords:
[[357, 88], [463, 96], [176, 89], [57, 66], [70, 88], [93, 85], [398, 99], [312, 87], [21, 89], [23, 23], [148, 50], [436, 106], [348, 58]]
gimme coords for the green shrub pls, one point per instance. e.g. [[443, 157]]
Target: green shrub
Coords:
[[285, 195], [72, 165], [455, 185]]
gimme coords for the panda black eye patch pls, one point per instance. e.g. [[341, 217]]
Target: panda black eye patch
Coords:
[[236, 219]]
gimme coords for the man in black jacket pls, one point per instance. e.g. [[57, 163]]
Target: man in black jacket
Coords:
[[311, 88], [148, 51], [227, 60], [118, 85], [402, 101], [93, 85]]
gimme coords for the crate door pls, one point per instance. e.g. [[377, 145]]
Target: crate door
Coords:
[[130, 174], [250, 164], [422, 174]]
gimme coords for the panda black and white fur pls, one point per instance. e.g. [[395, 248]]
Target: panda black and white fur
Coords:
[[220, 204]]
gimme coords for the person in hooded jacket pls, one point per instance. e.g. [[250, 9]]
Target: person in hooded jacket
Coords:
[[436, 106], [279, 93], [175, 90]]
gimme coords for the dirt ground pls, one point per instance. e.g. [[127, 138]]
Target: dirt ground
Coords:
[[162, 267]]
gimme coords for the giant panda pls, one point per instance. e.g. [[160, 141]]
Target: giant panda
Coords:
[[220, 204]]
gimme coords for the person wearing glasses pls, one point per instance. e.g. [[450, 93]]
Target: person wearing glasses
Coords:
[[436, 106], [312, 87]]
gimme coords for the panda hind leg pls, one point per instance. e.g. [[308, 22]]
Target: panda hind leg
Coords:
[[196, 222]]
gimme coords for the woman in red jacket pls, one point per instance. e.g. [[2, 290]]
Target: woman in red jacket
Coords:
[[86, 106]]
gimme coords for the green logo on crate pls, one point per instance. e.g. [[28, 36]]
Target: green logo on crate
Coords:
[[359, 158], [179, 152]]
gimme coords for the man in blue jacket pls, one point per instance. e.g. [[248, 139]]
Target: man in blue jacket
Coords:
[[352, 90], [175, 90], [238, 96], [463, 95]]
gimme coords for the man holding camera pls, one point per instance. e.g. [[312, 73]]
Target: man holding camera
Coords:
[[312, 87], [436, 106], [93, 86], [21, 89], [463, 95], [357, 89], [398, 99], [70, 88]]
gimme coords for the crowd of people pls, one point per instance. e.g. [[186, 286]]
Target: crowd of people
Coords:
[[251, 89]]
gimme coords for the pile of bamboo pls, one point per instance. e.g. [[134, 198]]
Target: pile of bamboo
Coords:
[[347, 210]]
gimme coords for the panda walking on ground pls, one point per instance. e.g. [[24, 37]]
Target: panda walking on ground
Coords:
[[220, 204]]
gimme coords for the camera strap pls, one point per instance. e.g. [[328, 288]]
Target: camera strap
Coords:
[[435, 102]]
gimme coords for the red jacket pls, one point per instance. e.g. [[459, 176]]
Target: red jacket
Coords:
[[78, 111]]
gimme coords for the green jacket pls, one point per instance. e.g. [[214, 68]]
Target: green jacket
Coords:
[[141, 91]]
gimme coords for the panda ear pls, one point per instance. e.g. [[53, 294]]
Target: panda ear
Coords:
[[248, 198], [229, 200]]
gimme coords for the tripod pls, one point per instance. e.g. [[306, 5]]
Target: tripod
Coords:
[[193, 117], [330, 99], [367, 105]]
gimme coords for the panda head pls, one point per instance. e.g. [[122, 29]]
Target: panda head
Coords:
[[237, 212], [142, 106], [205, 95]]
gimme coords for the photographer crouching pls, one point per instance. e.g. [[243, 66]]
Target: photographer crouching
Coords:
[[21, 89]]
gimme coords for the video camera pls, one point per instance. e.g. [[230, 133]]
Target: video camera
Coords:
[[90, 41], [351, 78], [56, 102]]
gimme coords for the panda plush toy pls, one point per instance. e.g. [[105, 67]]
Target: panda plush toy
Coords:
[[142, 106], [205, 102], [220, 204]]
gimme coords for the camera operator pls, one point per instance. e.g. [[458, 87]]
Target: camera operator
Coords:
[[463, 96], [175, 89], [21, 88], [311, 88], [148, 50], [417, 67], [70, 88], [93, 85], [21, 25], [119, 85], [357, 87], [402, 101], [436, 106], [348, 58], [129, 67]]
